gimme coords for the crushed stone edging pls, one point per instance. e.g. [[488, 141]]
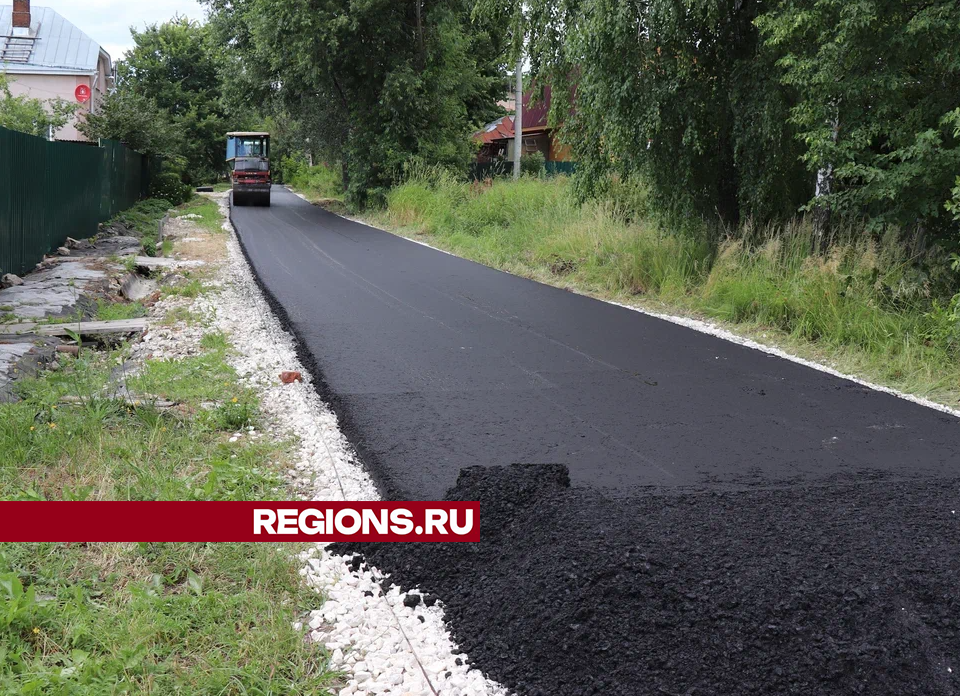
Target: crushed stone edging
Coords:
[[381, 645]]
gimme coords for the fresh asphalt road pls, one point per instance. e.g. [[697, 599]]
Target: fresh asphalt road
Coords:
[[435, 363]]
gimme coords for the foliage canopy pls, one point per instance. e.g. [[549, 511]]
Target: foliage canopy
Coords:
[[168, 99], [729, 106], [376, 83]]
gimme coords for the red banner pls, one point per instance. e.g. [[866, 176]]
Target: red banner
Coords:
[[102, 521]]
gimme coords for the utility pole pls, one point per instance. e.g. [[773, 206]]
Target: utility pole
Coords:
[[518, 122]]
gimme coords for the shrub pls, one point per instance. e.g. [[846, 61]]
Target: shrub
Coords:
[[169, 186], [533, 163], [289, 168]]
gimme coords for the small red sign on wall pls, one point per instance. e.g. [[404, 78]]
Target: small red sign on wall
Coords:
[[82, 93]]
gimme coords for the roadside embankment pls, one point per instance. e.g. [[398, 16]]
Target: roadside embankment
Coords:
[[165, 418]]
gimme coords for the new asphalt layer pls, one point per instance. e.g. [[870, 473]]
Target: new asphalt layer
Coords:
[[696, 492]]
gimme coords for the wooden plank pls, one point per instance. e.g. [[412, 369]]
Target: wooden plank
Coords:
[[154, 401], [85, 328]]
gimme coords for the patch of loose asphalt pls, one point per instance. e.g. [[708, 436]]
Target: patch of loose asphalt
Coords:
[[691, 517]]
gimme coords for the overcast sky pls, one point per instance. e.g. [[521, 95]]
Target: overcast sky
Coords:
[[108, 22]]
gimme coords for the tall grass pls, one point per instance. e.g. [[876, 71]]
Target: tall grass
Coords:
[[536, 224], [318, 183], [865, 304]]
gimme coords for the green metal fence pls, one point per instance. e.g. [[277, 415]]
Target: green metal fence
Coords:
[[478, 171], [555, 168], [50, 191]]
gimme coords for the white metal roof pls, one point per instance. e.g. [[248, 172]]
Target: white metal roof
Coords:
[[245, 134], [60, 47]]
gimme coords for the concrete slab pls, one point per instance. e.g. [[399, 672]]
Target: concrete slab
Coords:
[[136, 288], [52, 291]]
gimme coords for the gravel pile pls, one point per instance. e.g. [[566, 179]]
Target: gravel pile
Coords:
[[852, 588]]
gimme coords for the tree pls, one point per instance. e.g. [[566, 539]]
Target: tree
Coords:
[[33, 116], [675, 92], [379, 83], [174, 73], [136, 121], [877, 85]]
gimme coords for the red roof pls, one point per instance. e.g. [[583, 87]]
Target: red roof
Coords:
[[536, 116], [497, 130], [534, 119]]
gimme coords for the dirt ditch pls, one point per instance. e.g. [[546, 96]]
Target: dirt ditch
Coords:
[[848, 588]]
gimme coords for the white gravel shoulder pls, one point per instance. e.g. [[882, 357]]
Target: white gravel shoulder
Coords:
[[381, 645]]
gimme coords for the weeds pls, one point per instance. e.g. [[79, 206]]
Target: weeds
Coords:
[[319, 183], [152, 618], [146, 618], [142, 221], [215, 341], [144, 217], [181, 314], [114, 311], [192, 288]]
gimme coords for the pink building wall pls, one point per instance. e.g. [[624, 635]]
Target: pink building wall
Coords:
[[46, 87]]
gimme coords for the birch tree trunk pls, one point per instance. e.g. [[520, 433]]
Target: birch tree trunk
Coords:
[[822, 212]]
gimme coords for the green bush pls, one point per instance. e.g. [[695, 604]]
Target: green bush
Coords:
[[289, 169], [169, 186], [533, 163]]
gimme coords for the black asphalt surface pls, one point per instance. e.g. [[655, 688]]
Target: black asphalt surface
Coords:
[[679, 445], [439, 363]]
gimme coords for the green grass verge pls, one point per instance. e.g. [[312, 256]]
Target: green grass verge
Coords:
[[209, 212], [174, 618], [143, 220], [862, 306], [152, 619]]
